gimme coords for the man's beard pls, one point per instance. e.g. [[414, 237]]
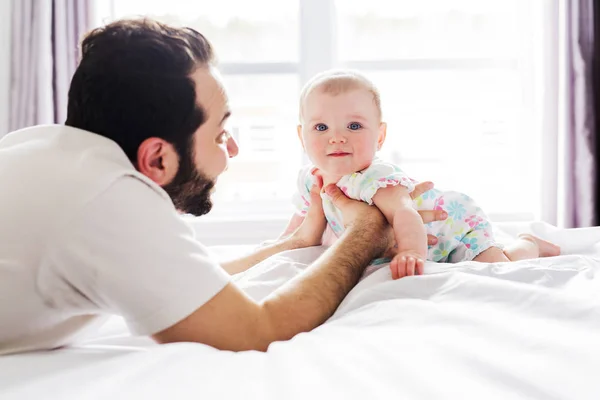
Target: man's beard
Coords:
[[190, 190]]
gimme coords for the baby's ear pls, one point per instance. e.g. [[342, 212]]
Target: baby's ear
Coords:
[[299, 128], [382, 135]]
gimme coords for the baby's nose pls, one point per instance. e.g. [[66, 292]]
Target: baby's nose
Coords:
[[337, 137]]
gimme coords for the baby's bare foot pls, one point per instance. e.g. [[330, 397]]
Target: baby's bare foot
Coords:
[[546, 249]]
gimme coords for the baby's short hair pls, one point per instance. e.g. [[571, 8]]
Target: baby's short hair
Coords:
[[339, 81]]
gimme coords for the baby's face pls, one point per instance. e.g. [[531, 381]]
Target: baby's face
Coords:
[[341, 133]]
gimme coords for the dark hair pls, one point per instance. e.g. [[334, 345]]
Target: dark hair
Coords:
[[133, 83]]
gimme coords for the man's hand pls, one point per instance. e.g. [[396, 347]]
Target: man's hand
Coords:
[[356, 213], [428, 215], [310, 231], [354, 209]]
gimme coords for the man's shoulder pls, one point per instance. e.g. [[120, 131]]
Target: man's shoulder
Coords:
[[53, 135], [63, 154], [61, 168]]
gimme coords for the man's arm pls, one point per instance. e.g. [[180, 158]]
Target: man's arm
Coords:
[[232, 321], [262, 253], [304, 231], [127, 252], [293, 224]]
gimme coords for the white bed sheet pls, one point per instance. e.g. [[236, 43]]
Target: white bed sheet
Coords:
[[508, 331]]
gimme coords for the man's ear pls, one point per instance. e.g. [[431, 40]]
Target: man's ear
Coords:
[[382, 135], [299, 129], [158, 160]]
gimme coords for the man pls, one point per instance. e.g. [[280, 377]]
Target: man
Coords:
[[89, 222]]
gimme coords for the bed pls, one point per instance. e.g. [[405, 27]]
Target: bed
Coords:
[[526, 330]]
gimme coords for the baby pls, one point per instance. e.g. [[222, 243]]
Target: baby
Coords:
[[341, 130]]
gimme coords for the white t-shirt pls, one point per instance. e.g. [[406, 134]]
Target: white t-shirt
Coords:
[[84, 235]]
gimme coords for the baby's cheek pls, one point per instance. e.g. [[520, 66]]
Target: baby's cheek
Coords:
[[315, 145], [364, 152], [315, 149]]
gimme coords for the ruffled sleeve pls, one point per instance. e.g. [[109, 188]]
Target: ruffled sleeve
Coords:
[[304, 183], [364, 184]]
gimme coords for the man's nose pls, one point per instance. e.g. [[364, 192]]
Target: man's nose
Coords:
[[232, 147]]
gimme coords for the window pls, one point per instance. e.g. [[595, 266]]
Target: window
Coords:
[[454, 83], [455, 77]]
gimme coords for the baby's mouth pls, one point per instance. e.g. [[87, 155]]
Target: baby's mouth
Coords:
[[338, 154]]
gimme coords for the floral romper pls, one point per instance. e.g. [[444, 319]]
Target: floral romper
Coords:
[[461, 237]]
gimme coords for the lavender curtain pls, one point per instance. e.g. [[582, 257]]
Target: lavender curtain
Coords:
[[596, 86], [581, 135], [44, 53]]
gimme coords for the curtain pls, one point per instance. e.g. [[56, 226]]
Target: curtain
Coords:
[[580, 205], [569, 113], [44, 53], [596, 86]]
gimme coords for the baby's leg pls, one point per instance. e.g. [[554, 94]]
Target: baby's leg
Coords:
[[530, 246], [526, 247], [492, 255]]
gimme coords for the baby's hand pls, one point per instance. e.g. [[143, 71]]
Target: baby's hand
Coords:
[[406, 263]]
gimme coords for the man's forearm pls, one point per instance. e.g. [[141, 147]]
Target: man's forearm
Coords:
[[242, 264], [308, 300]]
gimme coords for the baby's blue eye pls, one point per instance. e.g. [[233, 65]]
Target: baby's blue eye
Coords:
[[321, 127], [354, 126]]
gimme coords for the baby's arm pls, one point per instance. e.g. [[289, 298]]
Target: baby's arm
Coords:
[[395, 203]]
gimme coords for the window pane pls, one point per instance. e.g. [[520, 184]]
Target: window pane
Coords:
[[240, 30], [382, 29], [464, 130], [263, 121]]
